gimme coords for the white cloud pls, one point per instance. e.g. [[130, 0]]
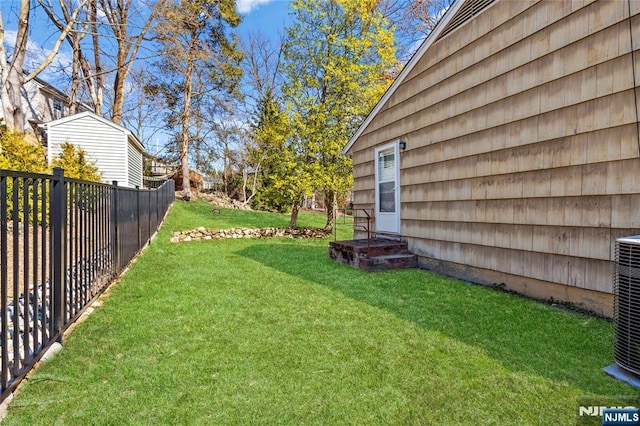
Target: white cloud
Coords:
[[246, 6]]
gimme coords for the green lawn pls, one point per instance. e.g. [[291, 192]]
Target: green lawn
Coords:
[[273, 332]]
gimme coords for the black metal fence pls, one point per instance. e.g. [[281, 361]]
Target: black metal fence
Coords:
[[62, 241]]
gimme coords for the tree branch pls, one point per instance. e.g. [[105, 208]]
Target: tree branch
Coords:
[[56, 46]]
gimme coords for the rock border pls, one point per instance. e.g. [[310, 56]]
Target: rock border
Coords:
[[203, 233]]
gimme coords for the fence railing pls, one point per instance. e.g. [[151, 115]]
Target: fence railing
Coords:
[[62, 241]]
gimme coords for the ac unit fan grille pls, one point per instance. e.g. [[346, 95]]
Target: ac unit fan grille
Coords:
[[627, 306]]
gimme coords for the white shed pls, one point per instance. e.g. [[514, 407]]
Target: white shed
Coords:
[[116, 151]]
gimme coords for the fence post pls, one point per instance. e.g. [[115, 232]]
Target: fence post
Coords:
[[3, 284], [57, 212], [115, 250], [138, 217], [149, 215]]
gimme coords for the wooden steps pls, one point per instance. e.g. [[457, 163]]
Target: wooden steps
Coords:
[[375, 254]]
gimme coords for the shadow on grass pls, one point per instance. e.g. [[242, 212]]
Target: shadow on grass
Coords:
[[521, 334]]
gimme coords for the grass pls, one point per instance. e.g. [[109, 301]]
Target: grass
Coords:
[[192, 215], [273, 332]]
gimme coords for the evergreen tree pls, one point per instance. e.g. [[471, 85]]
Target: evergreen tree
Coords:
[[284, 176]]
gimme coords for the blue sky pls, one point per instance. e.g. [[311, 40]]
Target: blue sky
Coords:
[[266, 16]]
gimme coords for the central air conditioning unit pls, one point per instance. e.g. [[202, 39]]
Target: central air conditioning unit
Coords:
[[626, 291]]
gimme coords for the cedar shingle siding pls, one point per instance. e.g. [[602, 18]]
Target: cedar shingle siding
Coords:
[[522, 152]]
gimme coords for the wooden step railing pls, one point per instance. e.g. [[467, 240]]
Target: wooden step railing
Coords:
[[362, 219]]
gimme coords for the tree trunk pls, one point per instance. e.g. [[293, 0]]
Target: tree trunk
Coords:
[[119, 84], [119, 81], [330, 202], [293, 222], [186, 181], [12, 72], [97, 91], [12, 102], [118, 99], [186, 119], [118, 15], [225, 168], [75, 76]]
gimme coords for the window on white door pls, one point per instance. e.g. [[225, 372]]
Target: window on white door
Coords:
[[387, 199], [386, 181]]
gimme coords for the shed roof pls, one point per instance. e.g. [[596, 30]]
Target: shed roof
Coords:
[[130, 136]]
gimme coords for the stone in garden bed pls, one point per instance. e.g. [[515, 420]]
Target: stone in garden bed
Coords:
[[203, 233]]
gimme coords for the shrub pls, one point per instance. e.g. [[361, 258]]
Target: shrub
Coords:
[[17, 153], [75, 163]]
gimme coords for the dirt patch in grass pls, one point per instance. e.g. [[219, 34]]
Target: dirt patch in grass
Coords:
[[26, 255]]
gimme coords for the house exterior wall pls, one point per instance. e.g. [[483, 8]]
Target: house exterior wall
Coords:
[[522, 163], [104, 144], [53, 107], [33, 103], [42, 103], [38, 105], [43, 106]]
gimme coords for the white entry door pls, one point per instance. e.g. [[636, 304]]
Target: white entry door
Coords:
[[388, 189]]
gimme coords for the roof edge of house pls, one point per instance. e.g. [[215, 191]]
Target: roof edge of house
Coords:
[[426, 44]]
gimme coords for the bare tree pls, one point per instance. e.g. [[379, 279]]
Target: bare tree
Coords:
[[261, 65], [120, 18], [119, 15], [263, 79], [227, 134], [140, 111], [413, 21], [251, 165], [12, 72], [78, 31]]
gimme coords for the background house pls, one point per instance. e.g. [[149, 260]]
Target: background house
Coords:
[[196, 180], [521, 165], [41, 102], [118, 154], [157, 171]]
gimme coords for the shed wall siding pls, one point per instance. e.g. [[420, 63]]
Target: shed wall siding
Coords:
[[103, 144], [522, 144], [134, 163]]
